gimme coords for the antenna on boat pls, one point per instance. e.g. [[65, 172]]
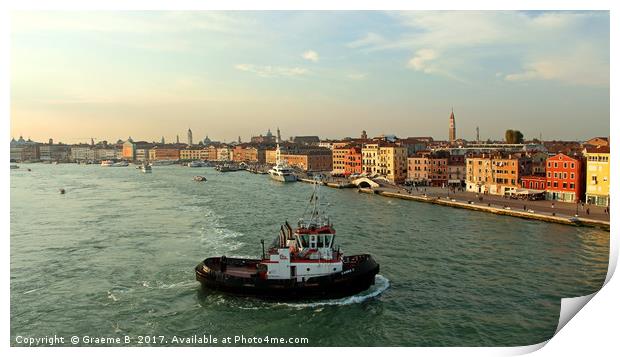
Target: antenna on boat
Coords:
[[262, 242]]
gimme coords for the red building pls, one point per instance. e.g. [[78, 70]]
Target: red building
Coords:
[[353, 161], [534, 182], [438, 168], [565, 178]]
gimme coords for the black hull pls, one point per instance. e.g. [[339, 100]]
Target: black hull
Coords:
[[358, 275]]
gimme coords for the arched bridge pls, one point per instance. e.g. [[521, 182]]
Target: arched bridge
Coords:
[[365, 182]]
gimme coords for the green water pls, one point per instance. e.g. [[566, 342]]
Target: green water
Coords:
[[114, 257]]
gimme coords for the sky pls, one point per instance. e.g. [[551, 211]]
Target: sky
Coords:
[[111, 75]]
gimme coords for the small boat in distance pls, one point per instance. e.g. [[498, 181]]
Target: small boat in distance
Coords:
[[200, 178], [195, 164], [111, 163], [146, 168], [300, 264], [13, 167]]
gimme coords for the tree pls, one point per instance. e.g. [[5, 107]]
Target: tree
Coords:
[[514, 137]]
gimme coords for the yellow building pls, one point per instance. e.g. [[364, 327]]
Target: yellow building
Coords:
[[370, 152], [194, 153], [597, 175]]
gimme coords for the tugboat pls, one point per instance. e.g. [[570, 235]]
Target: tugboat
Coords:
[[300, 264]]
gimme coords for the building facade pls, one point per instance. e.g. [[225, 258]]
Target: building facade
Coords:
[[597, 175], [564, 178], [417, 170], [353, 161]]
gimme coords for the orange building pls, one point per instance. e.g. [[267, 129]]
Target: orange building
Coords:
[[315, 162], [418, 169], [158, 153], [353, 161], [339, 151]]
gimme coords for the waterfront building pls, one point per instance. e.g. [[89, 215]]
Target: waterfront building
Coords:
[[452, 128], [339, 153], [164, 152], [597, 175], [16, 153], [54, 152], [193, 153], [370, 153], [101, 154], [129, 150], [353, 161], [30, 152], [392, 162], [212, 153], [418, 169], [311, 162], [142, 154], [534, 182], [224, 153], [270, 156], [564, 178], [497, 175], [24, 150], [248, 154], [491, 148], [506, 173], [438, 168], [456, 170], [80, 153]]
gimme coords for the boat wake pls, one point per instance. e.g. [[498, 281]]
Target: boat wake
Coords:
[[381, 285]]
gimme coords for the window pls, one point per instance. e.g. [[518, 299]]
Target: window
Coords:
[[555, 164], [572, 186], [572, 175], [563, 184], [572, 165], [565, 165], [312, 242]]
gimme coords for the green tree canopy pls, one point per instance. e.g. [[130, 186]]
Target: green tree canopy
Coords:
[[514, 137]]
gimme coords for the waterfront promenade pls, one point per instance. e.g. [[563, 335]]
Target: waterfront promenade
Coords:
[[543, 210]]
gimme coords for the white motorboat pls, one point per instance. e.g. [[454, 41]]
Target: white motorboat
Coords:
[[281, 172]]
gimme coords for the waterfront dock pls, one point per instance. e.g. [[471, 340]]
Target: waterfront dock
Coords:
[[490, 208]]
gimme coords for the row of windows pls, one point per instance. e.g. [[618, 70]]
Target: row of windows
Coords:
[[560, 175], [564, 185], [555, 164]]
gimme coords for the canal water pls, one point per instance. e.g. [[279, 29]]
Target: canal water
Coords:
[[114, 257]]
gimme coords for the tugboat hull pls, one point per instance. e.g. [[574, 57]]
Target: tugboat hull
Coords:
[[234, 276]]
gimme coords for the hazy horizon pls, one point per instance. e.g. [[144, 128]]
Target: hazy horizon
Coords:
[[111, 75]]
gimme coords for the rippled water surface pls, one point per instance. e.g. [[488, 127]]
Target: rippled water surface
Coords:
[[115, 255]]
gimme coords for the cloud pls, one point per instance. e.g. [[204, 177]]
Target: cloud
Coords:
[[272, 71], [310, 56], [357, 76], [527, 46], [423, 60], [371, 39]]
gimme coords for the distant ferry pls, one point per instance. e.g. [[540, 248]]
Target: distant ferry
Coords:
[[195, 164], [110, 163]]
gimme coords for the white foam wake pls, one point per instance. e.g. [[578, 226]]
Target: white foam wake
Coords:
[[381, 285]]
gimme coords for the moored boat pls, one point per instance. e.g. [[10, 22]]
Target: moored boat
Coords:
[[200, 178], [281, 172], [303, 263]]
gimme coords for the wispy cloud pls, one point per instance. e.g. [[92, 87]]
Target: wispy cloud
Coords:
[[537, 46], [357, 76], [311, 56], [272, 71]]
